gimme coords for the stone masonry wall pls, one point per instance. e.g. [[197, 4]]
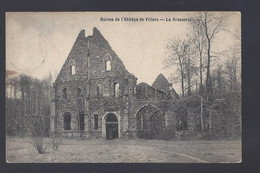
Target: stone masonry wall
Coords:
[[89, 56], [90, 91]]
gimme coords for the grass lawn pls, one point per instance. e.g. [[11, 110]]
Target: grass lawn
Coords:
[[19, 150]]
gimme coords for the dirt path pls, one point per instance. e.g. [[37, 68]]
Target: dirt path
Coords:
[[122, 151], [180, 154]]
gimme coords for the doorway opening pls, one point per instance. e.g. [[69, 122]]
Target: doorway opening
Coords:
[[111, 126]]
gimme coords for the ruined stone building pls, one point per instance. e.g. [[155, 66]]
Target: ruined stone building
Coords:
[[95, 95]]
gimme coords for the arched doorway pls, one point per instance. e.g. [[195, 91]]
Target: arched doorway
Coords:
[[111, 126]]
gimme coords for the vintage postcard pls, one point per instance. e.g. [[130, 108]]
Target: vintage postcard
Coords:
[[123, 87]]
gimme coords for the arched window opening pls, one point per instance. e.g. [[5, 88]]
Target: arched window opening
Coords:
[[108, 65], [81, 122], [72, 70], [64, 93], [67, 120], [116, 89]]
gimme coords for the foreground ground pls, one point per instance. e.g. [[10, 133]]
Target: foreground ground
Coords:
[[19, 150]]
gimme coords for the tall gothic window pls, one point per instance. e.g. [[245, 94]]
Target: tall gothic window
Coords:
[[95, 122], [67, 120], [81, 122]]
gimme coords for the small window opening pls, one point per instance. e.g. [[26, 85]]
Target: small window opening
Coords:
[[72, 70], [64, 93], [116, 89], [95, 122], [108, 65], [98, 90]]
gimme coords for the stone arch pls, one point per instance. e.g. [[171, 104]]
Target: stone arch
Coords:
[[72, 62], [104, 119], [144, 105], [150, 119], [108, 57]]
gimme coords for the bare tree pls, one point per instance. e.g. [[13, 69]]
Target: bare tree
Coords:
[[210, 25], [198, 47], [187, 63], [178, 51], [231, 70]]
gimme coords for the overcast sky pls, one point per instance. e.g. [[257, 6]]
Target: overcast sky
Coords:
[[39, 43]]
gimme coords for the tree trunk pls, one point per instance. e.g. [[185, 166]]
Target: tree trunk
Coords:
[[189, 77], [182, 78], [201, 65], [208, 79], [201, 114]]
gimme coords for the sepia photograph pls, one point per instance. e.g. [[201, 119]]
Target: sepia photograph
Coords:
[[123, 87]]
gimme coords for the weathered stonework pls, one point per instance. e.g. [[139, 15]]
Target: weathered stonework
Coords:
[[101, 98]]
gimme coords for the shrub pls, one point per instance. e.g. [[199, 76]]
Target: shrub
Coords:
[[38, 127], [39, 144], [146, 134], [168, 133], [208, 136]]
